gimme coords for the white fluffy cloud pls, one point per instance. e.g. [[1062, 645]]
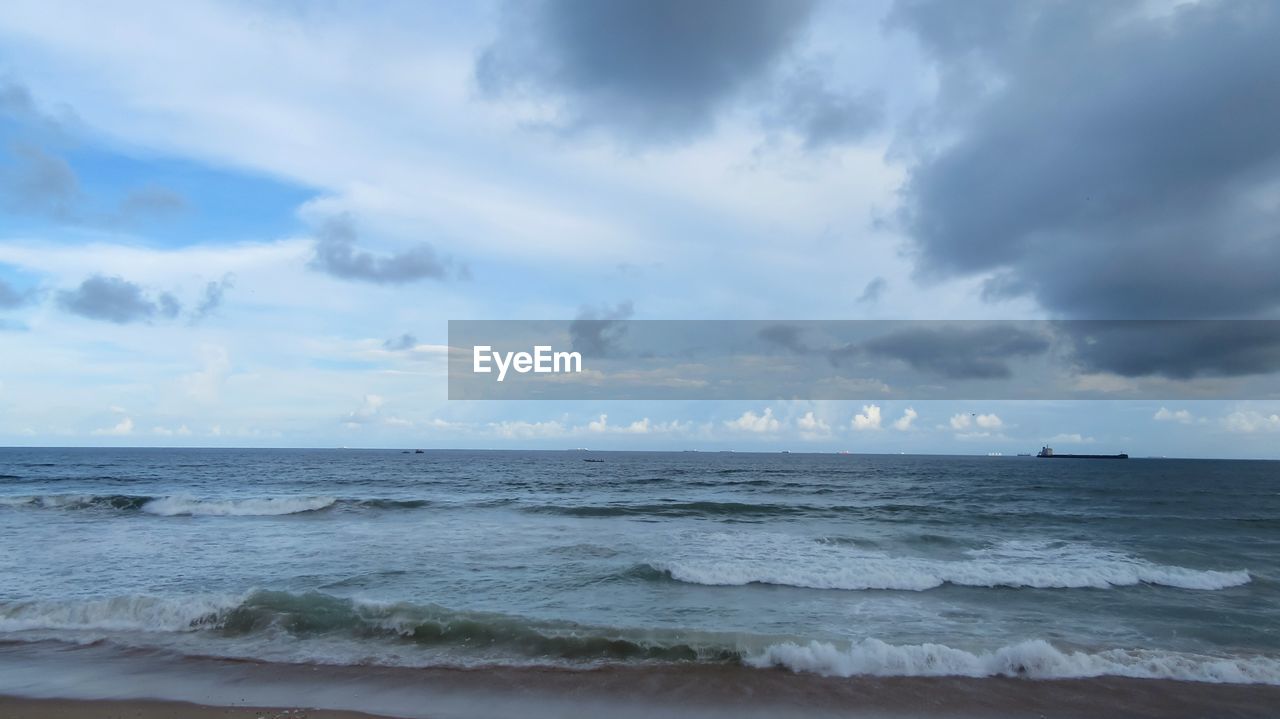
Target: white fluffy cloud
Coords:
[[520, 429], [119, 429], [868, 419], [1250, 421], [204, 384], [903, 423], [367, 411], [1072, 438], [812, 425], [601, 425], [985, 421], [180, 431], [758, 423], [1166, 415]]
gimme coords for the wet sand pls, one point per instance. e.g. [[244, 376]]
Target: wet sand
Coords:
[[19, 708]]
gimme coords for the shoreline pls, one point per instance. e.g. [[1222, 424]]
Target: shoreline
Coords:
[[15, 707], [49, 680], [491, 694]]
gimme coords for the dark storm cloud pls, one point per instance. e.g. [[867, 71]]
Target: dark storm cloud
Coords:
[[958, 352], [10, 297], [647, 70], [168, 305], [403, 342], [18, 104], [785, 336], [873, 290], [1107, 162], [34, 182], [214, 293], [337, 255], [820, 116], [37, 180], [597, 331], [1177, 349], [15, 100], [114, 299], [38, 183]]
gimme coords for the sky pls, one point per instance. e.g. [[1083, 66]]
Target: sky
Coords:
[[247, 224]]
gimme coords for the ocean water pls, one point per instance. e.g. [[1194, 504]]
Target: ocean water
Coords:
[[832, 564]]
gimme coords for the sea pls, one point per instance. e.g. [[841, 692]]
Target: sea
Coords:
[[825, 564]]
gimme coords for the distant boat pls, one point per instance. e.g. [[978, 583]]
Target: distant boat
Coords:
[[1047, 453], [593, 460], [419, 451]]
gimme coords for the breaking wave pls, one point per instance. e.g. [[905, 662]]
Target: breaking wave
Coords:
[[115, 614], [174, 506], [504, 639], [317, 615], [75, 501], [673, 509], [726, 560], [178, 506], [1036, 659]]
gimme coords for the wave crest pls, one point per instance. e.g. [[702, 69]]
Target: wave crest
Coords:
[[503, 639], [139, 613], [313, 615], [724, 560], [257, 507], [1035, 659], [184, 505]]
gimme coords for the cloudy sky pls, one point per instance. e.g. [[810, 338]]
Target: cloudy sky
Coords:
[[247, 224]]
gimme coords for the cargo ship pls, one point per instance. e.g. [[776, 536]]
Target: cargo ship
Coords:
[[1047, 452]]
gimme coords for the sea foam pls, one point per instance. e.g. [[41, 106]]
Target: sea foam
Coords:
[[313, 615], [736, 559], [138, 613], [173, 506], [185, 505], [1035, 659]]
